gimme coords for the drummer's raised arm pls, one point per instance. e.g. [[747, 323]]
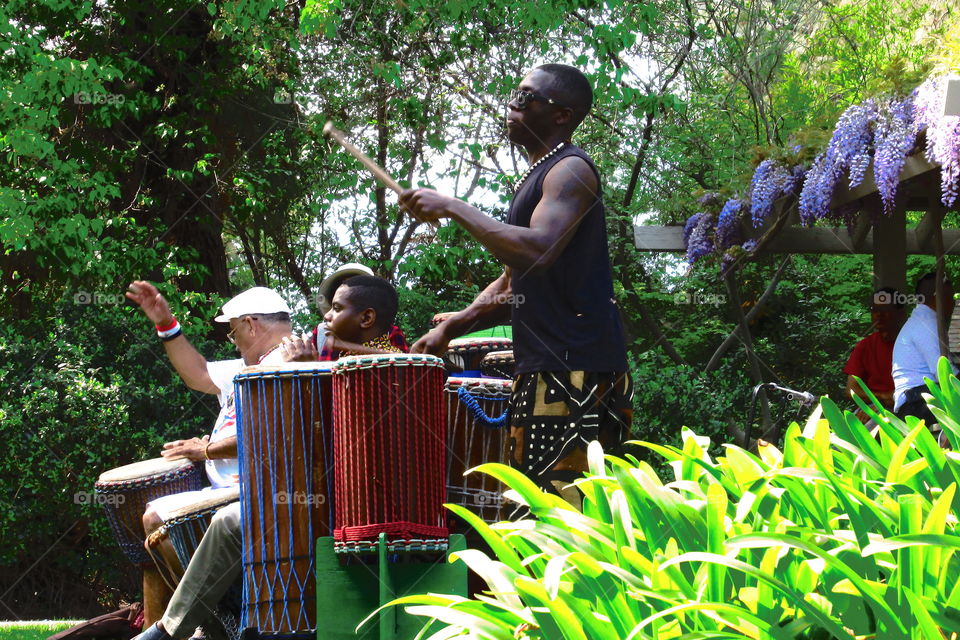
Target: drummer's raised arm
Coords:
[[490, 308], [189, 363]]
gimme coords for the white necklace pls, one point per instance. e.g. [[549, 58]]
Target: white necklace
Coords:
[[530, 169]]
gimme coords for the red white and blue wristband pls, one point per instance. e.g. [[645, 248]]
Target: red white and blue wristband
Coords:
[[169, 331]]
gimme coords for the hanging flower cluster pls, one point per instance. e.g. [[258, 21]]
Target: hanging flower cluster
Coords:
[[772, 180], [699, 238], [884, 131], [893, 140], [943, 135]]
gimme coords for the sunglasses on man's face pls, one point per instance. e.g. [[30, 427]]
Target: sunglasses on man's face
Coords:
[[523, 98]]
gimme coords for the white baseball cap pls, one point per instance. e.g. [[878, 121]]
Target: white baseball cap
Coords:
[[253, 301], [329, 285]]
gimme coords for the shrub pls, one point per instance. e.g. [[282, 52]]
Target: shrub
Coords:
[[89, 388], [842, 534]]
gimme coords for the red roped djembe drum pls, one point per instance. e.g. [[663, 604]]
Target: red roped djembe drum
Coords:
[[285, 434], [476, 434], [389, 439], [467, 353], [125, 492], [498, 364]]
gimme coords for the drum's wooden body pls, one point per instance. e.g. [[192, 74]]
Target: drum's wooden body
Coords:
[[466, 354], [472, 442], [389, 435], [498, 364], [125, 492], [286, 490], [185, 526]]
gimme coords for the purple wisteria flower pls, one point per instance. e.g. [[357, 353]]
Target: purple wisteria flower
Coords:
[[700, 242], [817, 190], [771, 180], [850, 145], [943, 135], [689, 225], [894, 138], [728, 229]]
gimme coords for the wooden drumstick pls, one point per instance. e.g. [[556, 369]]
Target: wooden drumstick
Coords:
[[378, 172]]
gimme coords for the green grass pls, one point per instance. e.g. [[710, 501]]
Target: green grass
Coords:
[[33, 629]]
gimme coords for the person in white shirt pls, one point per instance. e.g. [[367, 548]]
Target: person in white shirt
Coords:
[[259, 320], [917, 350]]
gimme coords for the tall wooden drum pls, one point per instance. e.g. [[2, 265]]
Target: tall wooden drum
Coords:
[[389, 437], [286, 489], [476, 434]]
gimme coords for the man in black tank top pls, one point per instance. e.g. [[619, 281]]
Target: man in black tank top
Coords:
[[572, 384]]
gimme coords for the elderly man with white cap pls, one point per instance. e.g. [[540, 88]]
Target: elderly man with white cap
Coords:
[[259, 320]]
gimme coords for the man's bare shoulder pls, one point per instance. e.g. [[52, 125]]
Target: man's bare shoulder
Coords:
[[571, 175]]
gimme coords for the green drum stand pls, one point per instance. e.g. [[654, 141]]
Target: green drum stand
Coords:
[[349, 590]]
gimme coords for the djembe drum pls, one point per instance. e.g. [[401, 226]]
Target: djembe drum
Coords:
[[125, 492], [476, 434], [498, 364], [389, 436], [286, 461], [186, 525], [467, 353]]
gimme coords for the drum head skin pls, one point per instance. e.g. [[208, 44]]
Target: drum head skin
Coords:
[[209, 499], [487, 345], [350, 363], [287, 368], [144, 469]]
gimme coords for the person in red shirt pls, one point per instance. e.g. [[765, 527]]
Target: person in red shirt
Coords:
[[872, 357]]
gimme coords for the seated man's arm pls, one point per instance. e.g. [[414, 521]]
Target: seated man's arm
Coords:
[[190, 365]]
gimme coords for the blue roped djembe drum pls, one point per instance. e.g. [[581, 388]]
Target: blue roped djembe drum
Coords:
[[186, 525], [389, 438], [467, 353], [286, 489], [476, 434], [125, 492]]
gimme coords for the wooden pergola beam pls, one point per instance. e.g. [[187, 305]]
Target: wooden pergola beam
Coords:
[[914, 167]]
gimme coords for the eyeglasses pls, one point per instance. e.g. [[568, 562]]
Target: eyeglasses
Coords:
[[231, 335], [523, 98]]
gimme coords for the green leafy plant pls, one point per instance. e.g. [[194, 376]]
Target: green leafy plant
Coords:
[[845, 533]]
